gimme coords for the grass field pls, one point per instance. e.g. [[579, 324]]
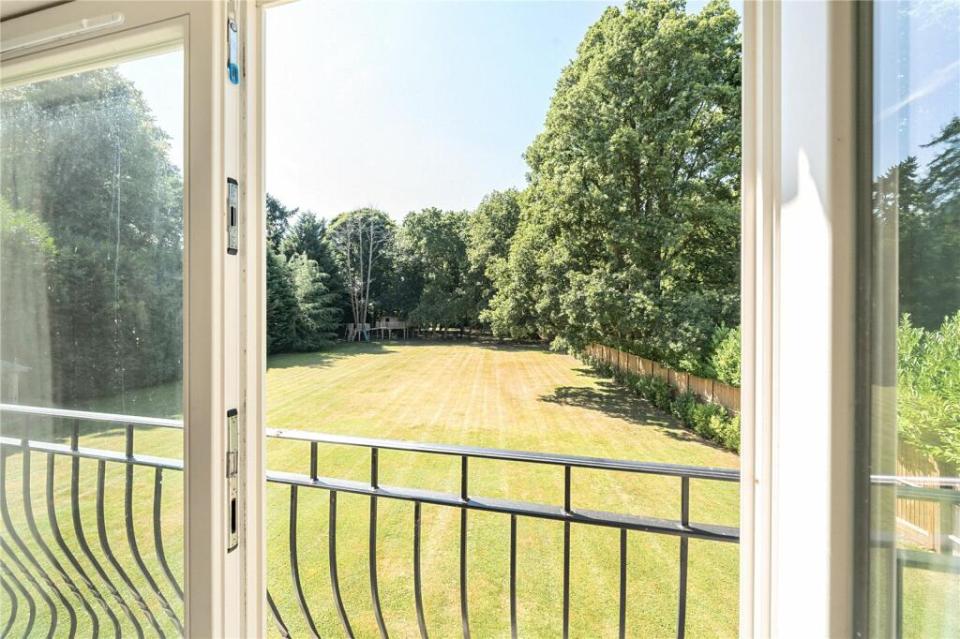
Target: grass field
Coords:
[[477, 394], [507, 397]]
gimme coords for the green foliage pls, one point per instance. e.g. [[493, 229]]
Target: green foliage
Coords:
[[928, 228], [308, 236], [317, 314], [629, 228], [278, 221], [490, 231], [305, 297], [281, 305], [435, 242], [928, 389], [710, 421], [726, 355], [85, 170]]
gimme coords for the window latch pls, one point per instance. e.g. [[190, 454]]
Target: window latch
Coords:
[[233, 492], [233, 214]]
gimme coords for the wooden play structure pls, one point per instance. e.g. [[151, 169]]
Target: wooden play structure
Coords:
[[383, 329], [386, 325]]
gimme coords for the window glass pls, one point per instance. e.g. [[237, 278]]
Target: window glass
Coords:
[[914, 327], [91, 351]]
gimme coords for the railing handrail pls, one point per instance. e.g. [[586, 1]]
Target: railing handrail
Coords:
[[92, 416], [554, 459], [500, 454]]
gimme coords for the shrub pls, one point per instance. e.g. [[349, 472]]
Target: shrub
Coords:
[[928, 389], [682, 406], [710, 421], [726, 355]]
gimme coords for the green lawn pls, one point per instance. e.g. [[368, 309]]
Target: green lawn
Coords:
[[485, 395], [479, 394], [509, 397]]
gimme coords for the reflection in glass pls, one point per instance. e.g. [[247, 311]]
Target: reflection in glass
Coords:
[[915, 321], [91, 321]]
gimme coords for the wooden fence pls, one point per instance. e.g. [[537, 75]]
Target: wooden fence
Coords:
[[920, 522], [709, 390]]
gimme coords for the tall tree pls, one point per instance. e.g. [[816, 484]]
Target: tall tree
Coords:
[[317, 314], [436, 241], [278, 221], [85, 156], [282, 309], [489, 232], [308, 235], [362, 239], [630, 229]]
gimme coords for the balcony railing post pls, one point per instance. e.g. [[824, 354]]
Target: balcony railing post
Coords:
[[684, 551], [374, 587], [623, 583]]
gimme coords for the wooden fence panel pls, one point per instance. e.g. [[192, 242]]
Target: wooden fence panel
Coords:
[[922, 518], [709, 390]]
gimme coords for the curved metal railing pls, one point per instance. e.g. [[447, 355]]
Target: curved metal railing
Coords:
[[64, 585]]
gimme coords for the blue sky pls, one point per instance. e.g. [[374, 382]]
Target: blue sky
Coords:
[[415, 103], [403, 105], [916, 77]]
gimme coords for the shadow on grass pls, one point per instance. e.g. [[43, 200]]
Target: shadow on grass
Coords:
[[614, 401], [324, 358]]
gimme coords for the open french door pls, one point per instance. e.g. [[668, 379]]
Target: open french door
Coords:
[[131, 504]]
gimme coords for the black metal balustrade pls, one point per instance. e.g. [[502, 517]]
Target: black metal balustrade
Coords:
[[62, 584]]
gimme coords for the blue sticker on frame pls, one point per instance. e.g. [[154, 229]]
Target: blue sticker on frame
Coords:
[[233, 57]]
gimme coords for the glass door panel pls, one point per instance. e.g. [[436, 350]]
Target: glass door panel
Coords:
[[92, 349], [914, 321]]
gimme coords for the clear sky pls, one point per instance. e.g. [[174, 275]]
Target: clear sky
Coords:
[[916, 78], [415, 103], [408, 104]]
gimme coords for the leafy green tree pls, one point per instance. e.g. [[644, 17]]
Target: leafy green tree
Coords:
[[435, 241], [363, 241], [84, 155], [490, 230], [282, 307], [515, 310], [308, 236], [726, 355], [928, 389], [278, 221], [630, 225], [27, 251], [317, 314]]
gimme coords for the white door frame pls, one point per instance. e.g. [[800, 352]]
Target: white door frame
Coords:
[[223, 343], [798, 311]]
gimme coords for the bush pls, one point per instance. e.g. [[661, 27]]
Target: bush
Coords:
[[710, 421], [726, 355], [928, 389]]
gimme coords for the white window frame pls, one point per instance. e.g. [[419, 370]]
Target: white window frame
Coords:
[[797, 462], [798, 515], [223, 322]]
